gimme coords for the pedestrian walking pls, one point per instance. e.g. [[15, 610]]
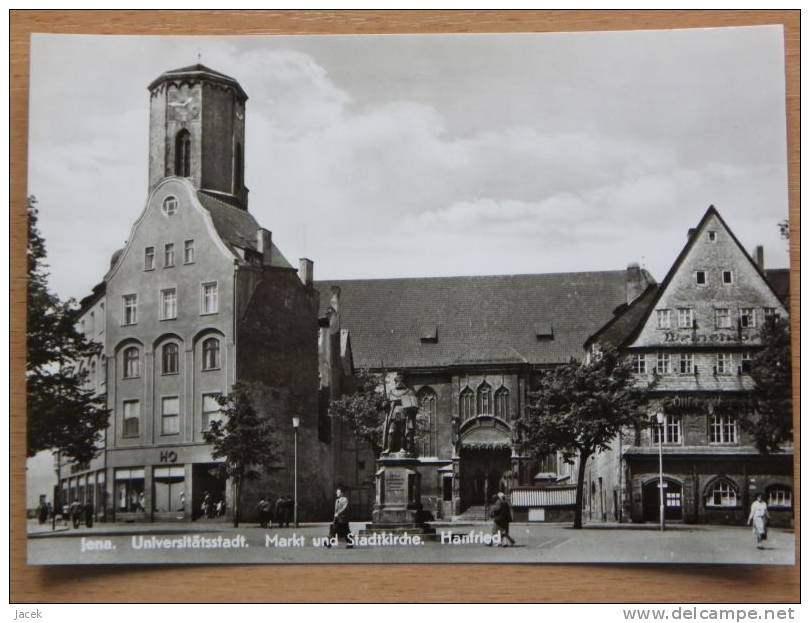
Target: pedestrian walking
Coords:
[[501, 518], [340, 524], [206, 506], [263, 508], [279, 511], [759, 519]]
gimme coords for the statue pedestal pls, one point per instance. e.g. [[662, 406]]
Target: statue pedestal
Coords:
[[398, 506]]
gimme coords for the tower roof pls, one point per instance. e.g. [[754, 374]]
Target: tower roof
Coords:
[[198, 71]]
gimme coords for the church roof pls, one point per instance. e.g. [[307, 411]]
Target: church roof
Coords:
[[477, 320], [237, 227], [196, 71]]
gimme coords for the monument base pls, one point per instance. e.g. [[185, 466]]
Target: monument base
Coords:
[[398, 506]]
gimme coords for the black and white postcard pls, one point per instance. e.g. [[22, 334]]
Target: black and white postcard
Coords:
[[409, 298]]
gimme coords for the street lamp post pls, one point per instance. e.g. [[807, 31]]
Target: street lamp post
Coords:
[[295, 423], [659, 417]]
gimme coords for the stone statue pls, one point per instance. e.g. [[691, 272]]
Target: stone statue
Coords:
[[399, 430]]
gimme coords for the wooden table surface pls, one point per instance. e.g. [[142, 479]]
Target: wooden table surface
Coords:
[[370, 583]]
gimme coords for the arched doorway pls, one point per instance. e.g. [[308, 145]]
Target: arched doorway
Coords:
[[482, 471], [673, 500]]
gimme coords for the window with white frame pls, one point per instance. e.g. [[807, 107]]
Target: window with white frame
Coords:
[[686, 363], [168, 304], [132, 418], [211, 410], [722, 317], [168, 254], [210, 298], [686, 317], [722, 493], [663, 363], [170, 358], [129, 304], [664, 317], [769, 312], [748, 317], [132, 362], [149, 258], [639, 363], [728, 277], [780, 496], [723, 429], [700, 277], [725, 363], [169, 206], [671, 430], [188, 252], [170, 415]]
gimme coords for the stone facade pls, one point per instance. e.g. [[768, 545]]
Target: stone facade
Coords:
[[695, 335]]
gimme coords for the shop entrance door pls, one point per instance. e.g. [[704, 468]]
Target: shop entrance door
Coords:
[[673, 501]]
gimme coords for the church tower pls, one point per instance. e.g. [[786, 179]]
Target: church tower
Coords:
[[197, 131]]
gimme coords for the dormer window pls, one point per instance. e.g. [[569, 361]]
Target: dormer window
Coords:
[[429, 334], [544, 331]]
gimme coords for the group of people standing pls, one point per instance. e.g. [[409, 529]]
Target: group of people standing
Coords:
[[282, 512], [209, 507]]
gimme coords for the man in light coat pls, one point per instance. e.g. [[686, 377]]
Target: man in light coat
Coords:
[[342, 517]]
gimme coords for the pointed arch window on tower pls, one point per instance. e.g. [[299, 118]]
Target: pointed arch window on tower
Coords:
[[182, 154], [484, 399], [238, 179]]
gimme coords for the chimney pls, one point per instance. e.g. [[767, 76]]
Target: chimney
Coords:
[[264, 244], [305, 271], [690, 234], [635, 282], [334, 299], [759, 256]]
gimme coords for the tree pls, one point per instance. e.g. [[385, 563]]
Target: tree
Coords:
[[243, 438], [365, 409], [770, 422], [63, 415], [579, 409]]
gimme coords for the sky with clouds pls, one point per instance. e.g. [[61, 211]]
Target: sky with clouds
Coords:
[[383, 156]]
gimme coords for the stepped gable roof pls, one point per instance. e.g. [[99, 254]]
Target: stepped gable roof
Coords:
[[236, 226], [474, 320], [197, 71], [779, 278]]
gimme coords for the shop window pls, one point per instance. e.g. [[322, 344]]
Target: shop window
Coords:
[[210, 352], [132, 362], [129, 490], [132, 418], [723, 429], [170, 358], [780, 497], [466, 404], [170, 488], [722, 494], [484, 399], [170, 415], [502, 404]]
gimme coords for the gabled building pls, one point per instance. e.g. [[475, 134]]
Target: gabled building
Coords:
[[200, 298], [695, 335]]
